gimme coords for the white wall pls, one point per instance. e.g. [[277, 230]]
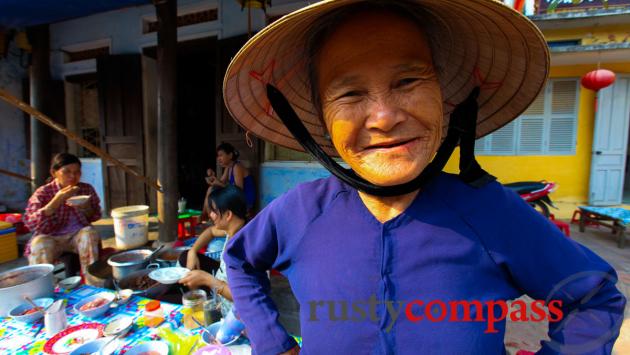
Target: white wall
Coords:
[[13, 192]]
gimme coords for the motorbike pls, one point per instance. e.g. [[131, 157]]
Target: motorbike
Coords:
[[536, 193]]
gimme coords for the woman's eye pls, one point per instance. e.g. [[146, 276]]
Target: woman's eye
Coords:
[[350, 94], [407, 81]]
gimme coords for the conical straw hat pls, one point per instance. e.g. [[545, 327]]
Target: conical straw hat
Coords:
[[474, 43]]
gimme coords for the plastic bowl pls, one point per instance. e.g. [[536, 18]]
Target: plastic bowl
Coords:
[[158, 346], [95, 346], [213, 329], [97, 311], [78, 200], [125, 295], [214, 350], [169, 275], [70, 282], [118, 326], [31, 317]]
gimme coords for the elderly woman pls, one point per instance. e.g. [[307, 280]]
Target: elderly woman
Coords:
[[393, 256], [59, 226]]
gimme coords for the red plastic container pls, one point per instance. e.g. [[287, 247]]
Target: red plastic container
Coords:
[[16, 220]]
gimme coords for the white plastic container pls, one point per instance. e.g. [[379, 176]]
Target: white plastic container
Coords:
[[131, 226]]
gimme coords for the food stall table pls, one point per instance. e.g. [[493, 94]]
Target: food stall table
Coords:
[[23, 338]]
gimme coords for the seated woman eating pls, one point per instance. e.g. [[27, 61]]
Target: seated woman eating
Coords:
[[59, 226], [227, 210]]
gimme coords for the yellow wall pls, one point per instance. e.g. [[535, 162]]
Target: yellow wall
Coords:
[[570, 172]]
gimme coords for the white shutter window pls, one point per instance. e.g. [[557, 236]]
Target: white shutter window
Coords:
[[481, 145], [563, 117], [502, 141], [531, 134], [547, 127]]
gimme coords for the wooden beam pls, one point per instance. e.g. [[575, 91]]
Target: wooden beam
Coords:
[[12, 174], [40, 117], [166, 11]]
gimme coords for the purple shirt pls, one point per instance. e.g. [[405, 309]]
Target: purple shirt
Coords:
[[355, 277]]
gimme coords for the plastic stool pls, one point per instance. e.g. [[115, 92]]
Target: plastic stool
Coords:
[[564, 227]]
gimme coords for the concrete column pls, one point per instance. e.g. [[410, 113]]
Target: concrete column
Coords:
[[39, 84]]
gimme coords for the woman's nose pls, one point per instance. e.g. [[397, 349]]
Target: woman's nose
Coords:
[[384, 114]]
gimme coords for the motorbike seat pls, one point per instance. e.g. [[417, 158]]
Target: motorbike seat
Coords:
[[523, 187]]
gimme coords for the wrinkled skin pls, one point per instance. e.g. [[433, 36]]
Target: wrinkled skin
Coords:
[[380, 97]]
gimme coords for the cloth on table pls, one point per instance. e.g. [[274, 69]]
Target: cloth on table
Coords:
[[618, 213]]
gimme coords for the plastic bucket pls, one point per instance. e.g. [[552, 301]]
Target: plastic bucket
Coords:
[[131, 226]]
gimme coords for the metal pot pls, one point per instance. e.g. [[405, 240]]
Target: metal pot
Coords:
[[169, 257], [34, 281], [124, 263]]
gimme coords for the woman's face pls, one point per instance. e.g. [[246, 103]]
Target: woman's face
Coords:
[[219, 219], [68, 175], [224, 159], [380, 97]]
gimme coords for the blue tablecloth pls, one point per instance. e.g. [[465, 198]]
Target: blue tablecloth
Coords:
[[618, 213]]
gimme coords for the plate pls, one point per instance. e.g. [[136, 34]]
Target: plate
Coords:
[[78, 200], [168, 275], [71, 338]]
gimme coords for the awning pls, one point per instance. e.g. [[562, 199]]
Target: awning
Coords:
[[24, 13]]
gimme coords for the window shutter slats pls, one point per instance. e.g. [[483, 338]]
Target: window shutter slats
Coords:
[[563, 97], [547, 127], [538, 106], [562, 135], [503, 140], [531, 134]]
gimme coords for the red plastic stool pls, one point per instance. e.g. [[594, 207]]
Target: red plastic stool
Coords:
[[182, 231], [564, 227]]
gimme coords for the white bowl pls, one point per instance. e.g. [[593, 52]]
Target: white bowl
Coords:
[[31, 317], [78, 200], [158, 346], [125, 295], [168, 275], [95, 346], [70, 282], [97, 311], [118, 326]]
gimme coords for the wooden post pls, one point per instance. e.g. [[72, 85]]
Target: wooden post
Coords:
[[166, 11], [39, 83]]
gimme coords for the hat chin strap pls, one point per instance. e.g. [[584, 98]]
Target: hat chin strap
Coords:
[[461, 127]]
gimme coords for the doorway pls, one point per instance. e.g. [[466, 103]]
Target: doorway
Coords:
[[196, 136]]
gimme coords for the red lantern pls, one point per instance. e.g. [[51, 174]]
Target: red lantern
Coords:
[[598, 79]]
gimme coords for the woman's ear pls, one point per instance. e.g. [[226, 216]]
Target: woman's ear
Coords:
[[228, 215]]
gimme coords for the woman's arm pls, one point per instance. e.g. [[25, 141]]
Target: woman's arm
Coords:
[[222, 289], [225, 176], [239, 175], [252, 251], [546, 265], [92, 208], [41, 214]]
